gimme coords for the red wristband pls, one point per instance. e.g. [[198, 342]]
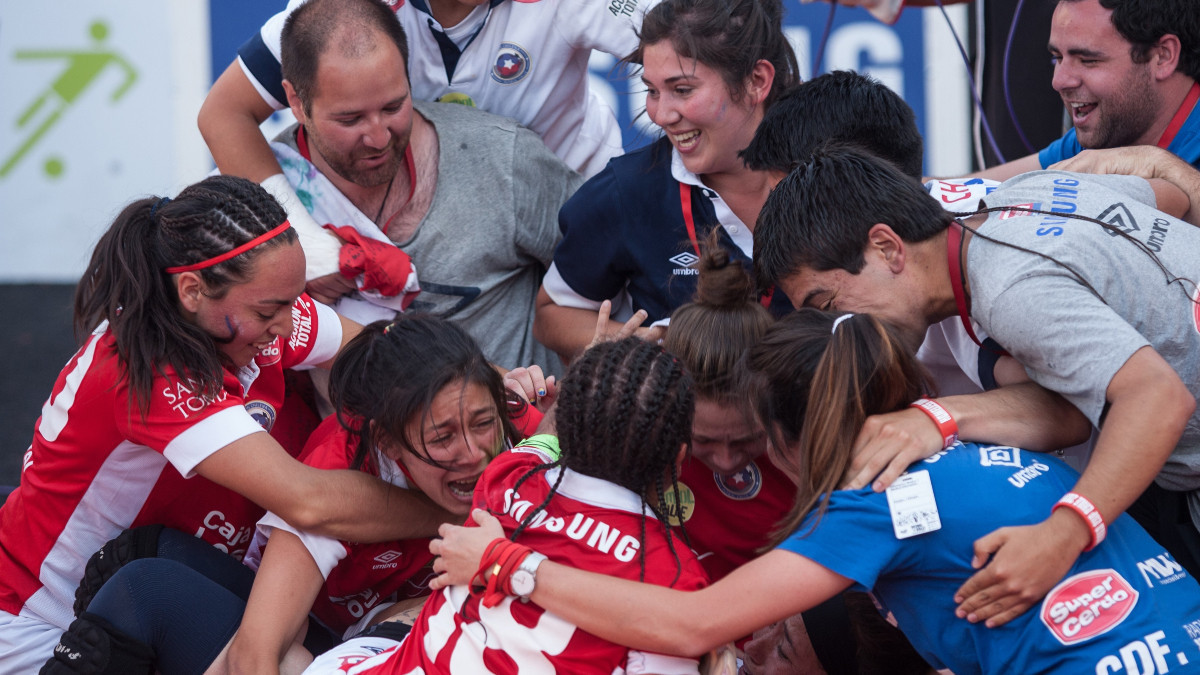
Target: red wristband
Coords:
[[1090, 514], [946, 425], [503, 556]]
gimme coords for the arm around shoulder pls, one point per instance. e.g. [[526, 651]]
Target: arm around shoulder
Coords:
[[348, 505], [1003, 172]]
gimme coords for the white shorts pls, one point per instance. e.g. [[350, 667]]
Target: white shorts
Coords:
[[26, 643]]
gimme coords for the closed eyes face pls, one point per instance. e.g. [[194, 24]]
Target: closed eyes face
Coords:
[[725, 438], [250, 315], [874, 290], [780, 649]]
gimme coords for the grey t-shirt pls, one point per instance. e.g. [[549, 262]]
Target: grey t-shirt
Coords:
[[1073, 339], [489, 234]]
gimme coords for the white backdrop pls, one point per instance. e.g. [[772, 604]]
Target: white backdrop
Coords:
[[99, 103]]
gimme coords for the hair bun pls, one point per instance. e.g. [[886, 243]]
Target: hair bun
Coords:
[[723, 281]]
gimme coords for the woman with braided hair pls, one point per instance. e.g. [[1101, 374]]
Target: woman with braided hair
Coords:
[[194, 307], [1125, 606], [595, 502]]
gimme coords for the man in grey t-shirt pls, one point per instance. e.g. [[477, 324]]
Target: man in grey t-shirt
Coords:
[[1087, 309], [471, 197]]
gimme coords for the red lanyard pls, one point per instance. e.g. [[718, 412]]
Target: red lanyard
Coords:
[[954, 239], [685, 202], [1181, 115], [689, 221]]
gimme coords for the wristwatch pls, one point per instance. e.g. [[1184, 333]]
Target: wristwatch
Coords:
[[524, 578]]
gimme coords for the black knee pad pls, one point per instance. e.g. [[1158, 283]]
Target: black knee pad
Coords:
[[132, 544], [92, 646]]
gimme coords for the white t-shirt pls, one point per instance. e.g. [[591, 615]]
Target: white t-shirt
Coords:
[[528, 61]]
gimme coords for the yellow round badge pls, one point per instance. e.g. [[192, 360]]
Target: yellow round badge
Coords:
[[685, 509]]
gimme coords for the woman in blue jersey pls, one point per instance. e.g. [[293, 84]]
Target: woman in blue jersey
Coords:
[[1126, 605]]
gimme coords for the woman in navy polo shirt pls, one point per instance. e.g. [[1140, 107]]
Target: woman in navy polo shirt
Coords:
[[631, 233]]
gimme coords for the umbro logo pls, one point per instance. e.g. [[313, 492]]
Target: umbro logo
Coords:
[[683, 264], [685, 259], [1118, 216], [387, 556]]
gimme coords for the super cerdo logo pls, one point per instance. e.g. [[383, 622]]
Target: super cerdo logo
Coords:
[[1087, 605]]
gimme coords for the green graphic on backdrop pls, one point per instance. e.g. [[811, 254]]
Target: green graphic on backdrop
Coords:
[[82, 68]]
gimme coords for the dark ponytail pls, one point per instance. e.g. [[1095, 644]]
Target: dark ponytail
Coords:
[[126, 284], [724, 319]]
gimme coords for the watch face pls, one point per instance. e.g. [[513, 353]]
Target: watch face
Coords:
[[522, 583]]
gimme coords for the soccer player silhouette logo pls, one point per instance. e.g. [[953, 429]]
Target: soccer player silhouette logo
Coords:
[[82, 69]]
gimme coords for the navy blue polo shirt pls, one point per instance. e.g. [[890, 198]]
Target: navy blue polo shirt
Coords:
[[625, 229]]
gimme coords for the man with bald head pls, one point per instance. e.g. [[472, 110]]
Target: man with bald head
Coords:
[[471, 197]]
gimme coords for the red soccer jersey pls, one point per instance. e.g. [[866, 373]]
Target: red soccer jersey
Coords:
[[358, 577], [96, 466], [728, 518], [591, 524], [361, 577]]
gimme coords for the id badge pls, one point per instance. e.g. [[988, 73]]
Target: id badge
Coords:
[[911, 503]]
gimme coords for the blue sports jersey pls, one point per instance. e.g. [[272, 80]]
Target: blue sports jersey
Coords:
[[1125, 607], [1185, 145]]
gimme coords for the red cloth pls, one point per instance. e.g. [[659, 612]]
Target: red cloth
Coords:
[[384, 267]]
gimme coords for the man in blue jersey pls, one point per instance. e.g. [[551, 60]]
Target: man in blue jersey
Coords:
[[1127, 72]]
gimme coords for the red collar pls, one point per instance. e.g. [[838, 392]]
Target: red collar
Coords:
[[1181, 115], [954, 243]]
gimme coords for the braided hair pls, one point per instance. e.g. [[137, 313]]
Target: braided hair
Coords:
[[624, 413], [126, 283], [390, 373]]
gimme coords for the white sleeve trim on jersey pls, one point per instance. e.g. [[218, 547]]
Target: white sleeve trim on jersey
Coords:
[[564, 296], [328, 340], [326, 552], [561, 292], [262, 91], [271, 34], [207, 436], [638, 663]]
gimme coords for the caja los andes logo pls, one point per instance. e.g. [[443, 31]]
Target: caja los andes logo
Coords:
[[1088, 604]]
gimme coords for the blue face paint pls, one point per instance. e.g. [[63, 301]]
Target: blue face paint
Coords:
[[232, 333]]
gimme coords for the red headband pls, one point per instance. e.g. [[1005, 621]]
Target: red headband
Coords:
[[216, 260]]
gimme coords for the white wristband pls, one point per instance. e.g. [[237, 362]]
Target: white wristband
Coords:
[[321, 248]]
